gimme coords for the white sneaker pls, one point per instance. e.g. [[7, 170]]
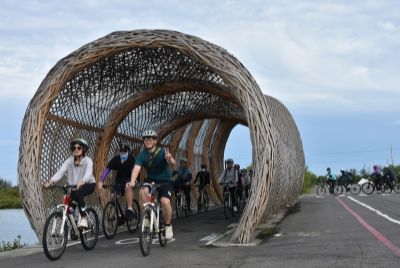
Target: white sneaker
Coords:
[[235, 208], [168, 232], [83, 224]]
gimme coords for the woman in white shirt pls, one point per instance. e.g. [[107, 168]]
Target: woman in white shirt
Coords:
[[79, 171]]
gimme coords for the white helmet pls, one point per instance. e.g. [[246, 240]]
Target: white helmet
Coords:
[[149, 133]]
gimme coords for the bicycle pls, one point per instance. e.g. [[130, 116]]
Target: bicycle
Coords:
[[152, 221], [228, 206], [324, 187], [370, 186], [203, 200], [181, 205], [114, 216], [55, 231]]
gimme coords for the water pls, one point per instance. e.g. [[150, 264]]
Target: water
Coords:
[[13, 222]]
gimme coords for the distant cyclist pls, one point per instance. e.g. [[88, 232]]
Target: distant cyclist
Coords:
[[123, 163], [246, 182], [183, 181], [79, 171], [204, 178], [389, 175], [376, 176], [157, 162], [331, 179], [230, 177]]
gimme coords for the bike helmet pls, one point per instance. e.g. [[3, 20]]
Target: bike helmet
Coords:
[[229, 161], [149, 133], [81, 142], [183, 159], [328, 169], [203, 166]]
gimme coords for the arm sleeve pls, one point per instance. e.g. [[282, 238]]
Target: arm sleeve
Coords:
[[60, 173], [88, 171], [105, 174], [236, 178]]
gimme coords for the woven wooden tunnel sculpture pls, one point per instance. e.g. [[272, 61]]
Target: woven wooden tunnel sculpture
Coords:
[[193, 92]]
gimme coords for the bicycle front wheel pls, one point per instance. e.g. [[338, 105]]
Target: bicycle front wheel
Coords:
[[227, 207], [179, 206], [54, 239], [338, 189], [133, 224], [206, 203], [396, 188], [367, 188], [90, 235], [146, 234], [110, 220]]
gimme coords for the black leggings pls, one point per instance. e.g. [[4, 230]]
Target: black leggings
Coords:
[[78, 196]]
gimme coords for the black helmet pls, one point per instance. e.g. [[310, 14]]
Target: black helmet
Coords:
[[203, 166], [229, 161], [149, 133], [328, 169], [81, 142], [124, 147]]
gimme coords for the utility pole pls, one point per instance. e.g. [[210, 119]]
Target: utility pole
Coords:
[[391, 154]]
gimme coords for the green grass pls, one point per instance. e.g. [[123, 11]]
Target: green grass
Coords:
[[267, 233], [10, 198]]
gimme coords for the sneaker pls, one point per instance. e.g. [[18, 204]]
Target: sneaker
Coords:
[[129, 214], [235, 208], [168, 232], [83, 224]]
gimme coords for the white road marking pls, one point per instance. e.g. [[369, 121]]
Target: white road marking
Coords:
[[374, 210]]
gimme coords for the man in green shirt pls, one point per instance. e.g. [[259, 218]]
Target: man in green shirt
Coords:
[[157, 162]]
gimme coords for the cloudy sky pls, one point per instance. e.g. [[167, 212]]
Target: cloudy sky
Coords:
[[334, 64]]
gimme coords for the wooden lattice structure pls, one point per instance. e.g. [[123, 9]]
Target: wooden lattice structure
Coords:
[[193, 92]]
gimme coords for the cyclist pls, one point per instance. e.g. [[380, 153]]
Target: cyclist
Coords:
[[123, 163], [246, 182], [230, 176], [388, 175], [204, 178], [239, 186], [377, 176], [79, 170], [156, 161], [331, 179], [183, 181], [346, 179]]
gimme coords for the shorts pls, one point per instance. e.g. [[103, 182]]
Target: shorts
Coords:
[[164, 189], [120, 185]]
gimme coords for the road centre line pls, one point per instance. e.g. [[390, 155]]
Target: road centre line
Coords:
[[380, 237], [374, 210]]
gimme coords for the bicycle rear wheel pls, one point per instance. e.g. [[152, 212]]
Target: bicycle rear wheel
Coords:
[[200, 203], [146, 234], [110, 220], [133, 224], [321, 190], [338, 189], [90, 235], [54, 243], [355, 188]]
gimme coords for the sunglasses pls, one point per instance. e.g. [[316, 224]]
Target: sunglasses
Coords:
[[77, 148], [123, 150], [150, 138]]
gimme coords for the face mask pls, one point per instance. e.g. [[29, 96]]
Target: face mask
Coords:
[[203, 169], [124, 156]]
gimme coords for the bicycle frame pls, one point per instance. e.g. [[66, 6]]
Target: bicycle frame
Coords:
[[153, 205]]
